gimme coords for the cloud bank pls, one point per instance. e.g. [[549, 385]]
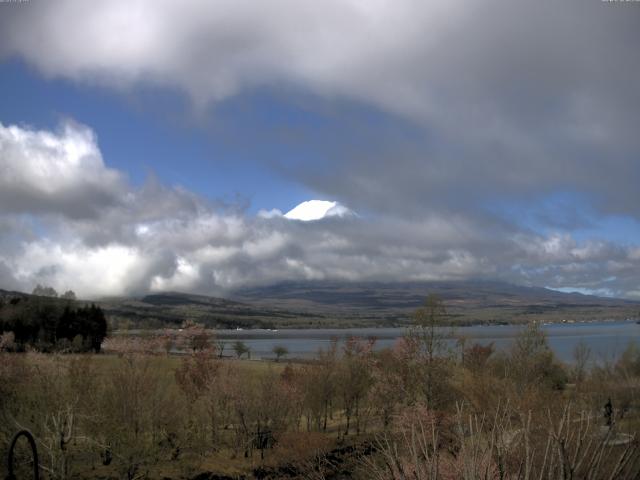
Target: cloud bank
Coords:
[[158, 237]]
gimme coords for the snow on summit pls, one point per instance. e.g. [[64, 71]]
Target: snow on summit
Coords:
[[317, 210]]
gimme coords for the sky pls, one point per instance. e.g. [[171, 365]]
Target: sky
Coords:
[[207, 146]]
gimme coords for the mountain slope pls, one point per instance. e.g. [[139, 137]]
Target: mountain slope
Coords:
[[466, 301], [341, 304], [172, 309]]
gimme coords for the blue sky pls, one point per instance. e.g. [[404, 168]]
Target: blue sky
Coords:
[[155, 133], [457, 143]]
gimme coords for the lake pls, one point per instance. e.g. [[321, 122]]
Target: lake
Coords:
[[607, 340]]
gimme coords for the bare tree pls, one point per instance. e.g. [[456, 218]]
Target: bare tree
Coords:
[[581, 356], [280, 351], [427, 321], [44, 291], [68, 295], [433, 355], [355, 379], [240, 348]]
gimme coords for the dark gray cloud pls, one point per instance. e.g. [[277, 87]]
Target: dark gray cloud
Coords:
[[514, 99]]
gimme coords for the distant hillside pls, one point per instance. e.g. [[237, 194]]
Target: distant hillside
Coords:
[[341, 304], [171, 309], [466, 301]]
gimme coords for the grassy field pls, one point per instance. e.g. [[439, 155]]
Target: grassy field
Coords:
[[349, 413], [46, 392]]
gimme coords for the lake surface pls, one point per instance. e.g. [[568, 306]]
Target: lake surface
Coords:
[[607, 340]]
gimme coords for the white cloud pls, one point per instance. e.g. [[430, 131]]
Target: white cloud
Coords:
[[184, 278], [110, 270], [61, 172], [273, 213], [600, 292]]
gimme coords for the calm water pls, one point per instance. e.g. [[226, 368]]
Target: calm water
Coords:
[[605, 339]]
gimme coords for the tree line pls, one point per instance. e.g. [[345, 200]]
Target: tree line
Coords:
[[49, 324]]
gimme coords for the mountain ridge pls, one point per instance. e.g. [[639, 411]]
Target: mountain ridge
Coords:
[[316, 304], [313, 304]]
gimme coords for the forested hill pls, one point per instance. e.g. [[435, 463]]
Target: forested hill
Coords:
[[376, 296], [49, 323], [172, 309], [341, 304]]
